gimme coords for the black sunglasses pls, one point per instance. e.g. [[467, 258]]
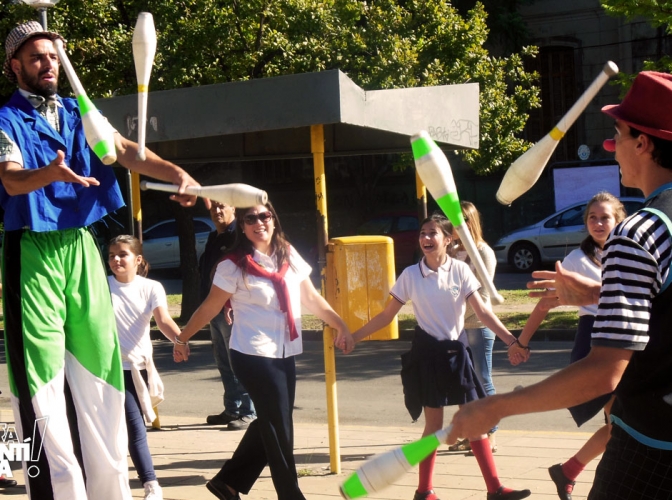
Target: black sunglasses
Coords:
[[251, 219]]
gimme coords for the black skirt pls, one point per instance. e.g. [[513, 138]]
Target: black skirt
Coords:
[[585, 411], [437, 373]]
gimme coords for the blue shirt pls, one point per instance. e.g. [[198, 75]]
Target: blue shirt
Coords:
[[59, 205]]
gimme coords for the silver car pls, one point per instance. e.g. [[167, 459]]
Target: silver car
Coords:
[[551, 239], [161, 245]]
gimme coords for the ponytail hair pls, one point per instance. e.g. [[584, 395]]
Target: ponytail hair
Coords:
[[589, 246], [136, 247]]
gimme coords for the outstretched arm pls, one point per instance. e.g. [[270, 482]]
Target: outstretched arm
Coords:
[[380, 320], [490, 319], [18, 180], [536, 318], [317, 305], [210, 307], [603, 367], [168, 327], [158, 168]]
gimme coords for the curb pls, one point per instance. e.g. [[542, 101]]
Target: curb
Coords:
[[404, 335]]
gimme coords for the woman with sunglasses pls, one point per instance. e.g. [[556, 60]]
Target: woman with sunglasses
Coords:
[[266, 282]]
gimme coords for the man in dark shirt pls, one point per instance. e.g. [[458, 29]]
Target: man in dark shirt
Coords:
[[238, 407]]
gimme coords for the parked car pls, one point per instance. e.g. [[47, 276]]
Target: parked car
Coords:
[[403, 228], [161, 246], [549, 240]]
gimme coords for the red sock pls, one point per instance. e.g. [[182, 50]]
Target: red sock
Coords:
[[572, 468], [426, 473], [486, 462]]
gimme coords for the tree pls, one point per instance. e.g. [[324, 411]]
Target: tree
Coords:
[[381, 44]]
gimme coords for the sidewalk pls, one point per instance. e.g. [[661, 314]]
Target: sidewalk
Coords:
[[187, 453]]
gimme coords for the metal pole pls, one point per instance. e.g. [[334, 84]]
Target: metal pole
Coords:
[[136, 207], [42, 11], [317, 148]]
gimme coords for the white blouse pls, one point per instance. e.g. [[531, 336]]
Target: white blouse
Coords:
[[260, 328]]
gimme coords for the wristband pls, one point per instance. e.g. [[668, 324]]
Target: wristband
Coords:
[[179, 342], [515, 341]]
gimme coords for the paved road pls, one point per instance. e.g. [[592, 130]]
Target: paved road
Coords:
[[369, 388]]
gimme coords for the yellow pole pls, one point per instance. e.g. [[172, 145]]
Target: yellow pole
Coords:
[[135, 207], [421, 195], [317, 148]]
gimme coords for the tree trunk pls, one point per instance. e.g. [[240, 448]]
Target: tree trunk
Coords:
[[188, 262]]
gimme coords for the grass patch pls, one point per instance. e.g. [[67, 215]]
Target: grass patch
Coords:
[[555, 320], [174, 299], [517, 297]]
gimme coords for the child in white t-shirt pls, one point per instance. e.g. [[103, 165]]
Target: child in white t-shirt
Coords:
[[135, 300], [438, 371]]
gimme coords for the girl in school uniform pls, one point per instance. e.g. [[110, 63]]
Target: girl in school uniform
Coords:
[[438, 371], [135, 300]]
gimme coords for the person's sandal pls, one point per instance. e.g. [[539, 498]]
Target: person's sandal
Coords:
[[461, 445]]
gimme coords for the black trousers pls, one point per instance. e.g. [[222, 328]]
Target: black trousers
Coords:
[[269, 440]]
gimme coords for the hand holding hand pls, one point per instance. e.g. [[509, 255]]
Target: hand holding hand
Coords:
[[518, 354], [180, 352], [345, 342]]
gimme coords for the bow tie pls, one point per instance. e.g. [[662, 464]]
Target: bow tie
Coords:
[[41, 103]]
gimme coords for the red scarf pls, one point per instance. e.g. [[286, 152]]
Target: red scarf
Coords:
[[279, 284]]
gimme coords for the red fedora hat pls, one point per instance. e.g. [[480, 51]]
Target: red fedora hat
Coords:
[[648, 105]]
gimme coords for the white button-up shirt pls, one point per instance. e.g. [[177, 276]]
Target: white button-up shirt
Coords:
[[260, 327], [438, 297]]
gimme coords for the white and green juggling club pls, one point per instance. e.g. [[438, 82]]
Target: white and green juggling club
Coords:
[[384, 469], [434, 170], [98, 132]]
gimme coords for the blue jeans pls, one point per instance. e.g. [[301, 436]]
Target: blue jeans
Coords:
[[481, 342], [137, 432], [236, 399]]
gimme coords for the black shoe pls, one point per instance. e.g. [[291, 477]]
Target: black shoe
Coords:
[[221, 491], [7, 483], [423, 496], [562, 483], [511, 495], [221, 419], [242, 423]]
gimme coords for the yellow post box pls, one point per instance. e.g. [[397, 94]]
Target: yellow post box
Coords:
[[360, 274]]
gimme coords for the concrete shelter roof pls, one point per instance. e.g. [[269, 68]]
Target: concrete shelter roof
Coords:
[[271, 117]]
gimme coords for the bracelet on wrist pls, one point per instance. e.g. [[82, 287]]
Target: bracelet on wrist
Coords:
[[514, 341], [179, 342], [521, 345]]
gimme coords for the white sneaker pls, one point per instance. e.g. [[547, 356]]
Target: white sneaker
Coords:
[[153, 491]]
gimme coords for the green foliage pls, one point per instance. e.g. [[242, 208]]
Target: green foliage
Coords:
[[380, 44], [658, 13]]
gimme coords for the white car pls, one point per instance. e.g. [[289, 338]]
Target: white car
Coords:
[[551, 239], [161, 245]]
